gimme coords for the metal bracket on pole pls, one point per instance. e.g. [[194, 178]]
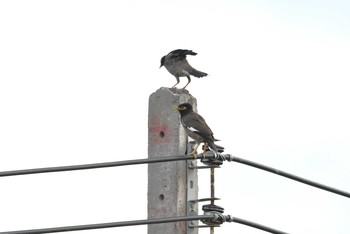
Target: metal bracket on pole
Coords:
[[192, 191]]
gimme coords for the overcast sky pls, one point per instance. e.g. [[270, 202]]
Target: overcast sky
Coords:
[[75, 78]]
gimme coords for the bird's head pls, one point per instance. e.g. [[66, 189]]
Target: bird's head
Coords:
[[162, 62], [184, 108]]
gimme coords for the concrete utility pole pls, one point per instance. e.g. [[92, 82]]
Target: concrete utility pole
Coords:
[[171, 184]]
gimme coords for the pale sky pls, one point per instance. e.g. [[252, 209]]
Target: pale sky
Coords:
[[75, 78]]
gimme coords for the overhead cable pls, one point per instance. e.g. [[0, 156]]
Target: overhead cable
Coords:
[[221, 218]]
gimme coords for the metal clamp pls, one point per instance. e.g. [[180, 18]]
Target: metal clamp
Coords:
[[215, 210]]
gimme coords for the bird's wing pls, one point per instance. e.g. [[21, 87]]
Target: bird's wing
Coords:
[[181, 54], [195, 122]]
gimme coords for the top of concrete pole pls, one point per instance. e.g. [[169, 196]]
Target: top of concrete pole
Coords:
[[163, 119]]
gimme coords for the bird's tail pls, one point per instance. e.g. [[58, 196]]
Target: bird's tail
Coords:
[[216, 148], [197, 73]]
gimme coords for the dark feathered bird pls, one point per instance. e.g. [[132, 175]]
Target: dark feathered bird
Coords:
[[176, 63], [196, 128]]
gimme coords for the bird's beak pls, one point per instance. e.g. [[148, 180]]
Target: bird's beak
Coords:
[[161, 65], [175, 108]]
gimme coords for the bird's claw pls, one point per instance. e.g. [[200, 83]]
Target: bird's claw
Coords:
[[194, 155]]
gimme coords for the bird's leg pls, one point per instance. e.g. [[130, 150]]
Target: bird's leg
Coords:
[[194, 151], [189, 81], [178, 81], [204, 149]]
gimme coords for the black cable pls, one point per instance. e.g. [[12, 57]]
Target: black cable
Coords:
[[94, 165], [254, 225], [229, 157], [209, 155], [109, 225], [227, 218]]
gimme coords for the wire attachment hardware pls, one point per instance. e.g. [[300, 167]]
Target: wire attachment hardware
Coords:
[[217, 211], [212, 158]]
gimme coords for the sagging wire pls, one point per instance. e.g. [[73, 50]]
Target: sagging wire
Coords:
[[209, 155], [230, 158], [94, 165], [209, 217]]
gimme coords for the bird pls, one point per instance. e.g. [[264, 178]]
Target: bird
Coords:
[[196, 128], [176, 63]]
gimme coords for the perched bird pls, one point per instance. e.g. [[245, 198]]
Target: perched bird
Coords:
[[196, 128], [176, 63]]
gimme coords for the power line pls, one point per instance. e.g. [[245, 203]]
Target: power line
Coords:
[[284, 174], [93, 165], [258, 226], [211, 217], [208, 156]]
